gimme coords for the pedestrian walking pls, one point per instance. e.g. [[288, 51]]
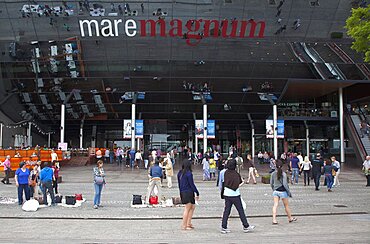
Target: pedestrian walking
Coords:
[[336, 164], [188, 190], [278, 13], [366, 169], [251, 168], [279, 21], [296, 24], [51, 21], [231, 193], [280, 187], [317, 165], [306, 168], [205, 163], [112, 8], [142, 7], [328, 172], [120, 10], [7, 169], [99, 181], [66, 27], [294, 165], [169, 170]]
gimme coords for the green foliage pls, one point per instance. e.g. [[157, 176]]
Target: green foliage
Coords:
[[358, 27]]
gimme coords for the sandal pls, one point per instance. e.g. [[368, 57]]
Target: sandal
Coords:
[[293, 220], [186, 228], [275, 223], [190, 226]]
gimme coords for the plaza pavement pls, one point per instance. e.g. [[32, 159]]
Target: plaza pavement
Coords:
[[338, 217]]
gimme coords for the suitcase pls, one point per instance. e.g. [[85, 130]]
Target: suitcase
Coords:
[[70, 200], [78, 197], [136, 200]]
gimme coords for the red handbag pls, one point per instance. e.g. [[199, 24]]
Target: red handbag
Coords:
[[153, 200], [78, 197]]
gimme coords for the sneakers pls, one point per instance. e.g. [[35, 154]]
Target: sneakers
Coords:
[[249, 228], [95, 206], [225, 231]]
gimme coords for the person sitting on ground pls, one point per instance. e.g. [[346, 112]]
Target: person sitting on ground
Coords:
[[155, 174]]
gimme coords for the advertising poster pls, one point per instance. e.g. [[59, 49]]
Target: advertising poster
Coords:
[[270, 128], [139, 128], [127, 128], [211, 129]]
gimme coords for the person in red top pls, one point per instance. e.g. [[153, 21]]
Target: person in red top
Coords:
[[55, 168], [7, 170]]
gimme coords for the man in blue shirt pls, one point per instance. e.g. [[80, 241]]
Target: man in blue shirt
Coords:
[[132, 157], [46, 178], [155, 174], [295, 165]]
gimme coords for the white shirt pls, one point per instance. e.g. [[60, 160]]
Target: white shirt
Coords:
[[366, 164], [54, 157], [107, 153], [216, 156], [205, 163], [138, 156], [336, 164], [300, 158], [306, 165]]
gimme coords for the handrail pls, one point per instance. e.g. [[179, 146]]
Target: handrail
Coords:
[[352, 127]]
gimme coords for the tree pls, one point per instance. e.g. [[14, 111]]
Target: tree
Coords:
[[358, 27]]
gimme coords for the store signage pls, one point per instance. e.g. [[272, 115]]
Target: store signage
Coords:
[[270, 128], [211, 129], [127, 128], [193, 31]]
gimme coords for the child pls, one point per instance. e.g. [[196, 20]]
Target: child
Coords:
[[212, 168]]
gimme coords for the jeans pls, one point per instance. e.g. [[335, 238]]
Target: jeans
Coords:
[[132, 161], [316, 178], [229, 201], [295, 172], [306, 177], [98, 189], [26, 189], [48, 186], [329, 180]]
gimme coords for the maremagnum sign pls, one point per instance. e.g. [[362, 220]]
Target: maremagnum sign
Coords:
[[192, 30]]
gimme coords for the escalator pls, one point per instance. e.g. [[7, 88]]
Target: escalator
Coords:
[[360, 145]]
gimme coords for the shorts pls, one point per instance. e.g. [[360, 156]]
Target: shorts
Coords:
[[280, 194], [187, 197]]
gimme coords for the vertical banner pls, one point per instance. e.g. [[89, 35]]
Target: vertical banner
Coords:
[[270, 128], [139, 128], [127, 128], [211, 128]]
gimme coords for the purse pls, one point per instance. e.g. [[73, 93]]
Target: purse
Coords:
[[153, 200], [136, 200], [99, 180], [78, 197]]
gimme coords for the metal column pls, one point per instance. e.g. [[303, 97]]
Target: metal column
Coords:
[[133, 108], [81, 134], [274, 114], [253, 152], [62, 122], [49, 139], [1, 135], [29, 135], [205, 119], [341, 125], [308, 142]]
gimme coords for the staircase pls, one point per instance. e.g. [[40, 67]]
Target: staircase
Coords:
[[365, 140]]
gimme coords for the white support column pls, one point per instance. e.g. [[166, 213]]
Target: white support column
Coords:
[[49, 139], [253, 152], [62, 122], [341, 125], [274, 113], [308, 142], [138, 144], [81, 134], [205, 119], [133, 108], [1, 135], [29, 134], [196, 144]]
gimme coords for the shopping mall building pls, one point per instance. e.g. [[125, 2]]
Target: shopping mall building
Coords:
[[263, 75]]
